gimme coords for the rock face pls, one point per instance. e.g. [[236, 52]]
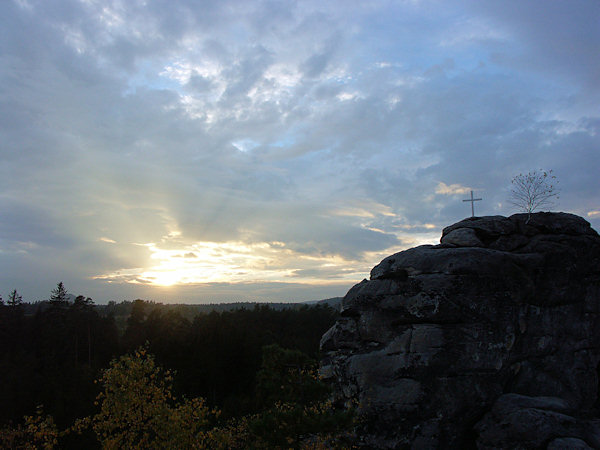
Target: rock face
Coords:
[[488, 340]]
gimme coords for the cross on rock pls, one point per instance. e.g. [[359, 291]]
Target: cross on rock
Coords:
[[472, 200]]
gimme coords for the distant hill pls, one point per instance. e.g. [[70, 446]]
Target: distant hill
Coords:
[[334, 302]]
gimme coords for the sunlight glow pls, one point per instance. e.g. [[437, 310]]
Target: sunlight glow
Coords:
[[211, 262], [233, 262]]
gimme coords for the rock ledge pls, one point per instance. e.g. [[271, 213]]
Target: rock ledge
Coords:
[[488, 340]]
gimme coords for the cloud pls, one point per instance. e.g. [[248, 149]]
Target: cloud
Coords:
[[453, 189], [593, 214], [555, 39], [313, 133]]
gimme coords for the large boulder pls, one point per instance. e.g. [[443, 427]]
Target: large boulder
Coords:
[[488, 340]]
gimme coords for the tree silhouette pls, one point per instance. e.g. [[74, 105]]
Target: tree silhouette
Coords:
[[533, 190], [14, 299], [59, 295]]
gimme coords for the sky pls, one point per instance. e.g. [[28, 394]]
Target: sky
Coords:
[[200, 151]]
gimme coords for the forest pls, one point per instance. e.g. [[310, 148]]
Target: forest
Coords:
[[71, 376]]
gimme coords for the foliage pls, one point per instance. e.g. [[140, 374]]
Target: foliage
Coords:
[[224, 350], [38, 432], [138, 409], [287, 376], [297, 413], [533, 190], [293, 425], [51, 354]]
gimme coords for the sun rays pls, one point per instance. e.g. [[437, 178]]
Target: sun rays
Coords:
[[232, 262]]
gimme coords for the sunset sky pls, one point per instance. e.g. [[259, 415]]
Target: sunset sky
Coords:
[[208, 151]]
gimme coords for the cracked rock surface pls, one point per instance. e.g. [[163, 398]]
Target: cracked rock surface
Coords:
[[490, 339]]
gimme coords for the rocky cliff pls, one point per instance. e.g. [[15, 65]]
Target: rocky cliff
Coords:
[[488, 340]]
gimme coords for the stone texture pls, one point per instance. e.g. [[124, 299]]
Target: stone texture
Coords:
[[532, 422], [462, 237], [488, 340], [568, 444]]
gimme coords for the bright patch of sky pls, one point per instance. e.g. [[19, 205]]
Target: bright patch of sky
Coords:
[[245, 145], [291, 145]]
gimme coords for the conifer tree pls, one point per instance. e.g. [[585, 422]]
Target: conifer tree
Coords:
[[14, 299], [59, 295]]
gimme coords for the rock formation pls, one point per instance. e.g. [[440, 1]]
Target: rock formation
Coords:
[[488, 340]]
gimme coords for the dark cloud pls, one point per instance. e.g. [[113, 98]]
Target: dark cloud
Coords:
[[555, 39]]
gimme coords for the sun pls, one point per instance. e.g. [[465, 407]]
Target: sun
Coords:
[[163, 277], [205, 262], [232, 262]]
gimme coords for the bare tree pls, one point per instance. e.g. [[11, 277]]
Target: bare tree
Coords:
[[533, 190]]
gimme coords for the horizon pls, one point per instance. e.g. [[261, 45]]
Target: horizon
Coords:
[[71, 297], [225, 301], [256, 150]]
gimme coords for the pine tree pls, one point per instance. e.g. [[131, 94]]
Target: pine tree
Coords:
[[14, 299], [59, 295]]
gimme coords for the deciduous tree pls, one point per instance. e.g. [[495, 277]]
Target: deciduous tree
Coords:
[[138, 410], [533, 190], [38, 432]]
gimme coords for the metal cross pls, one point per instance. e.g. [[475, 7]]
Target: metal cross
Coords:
[[472, 200]]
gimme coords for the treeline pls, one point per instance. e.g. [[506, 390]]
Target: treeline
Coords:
[[217, 355], [54, 356]]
